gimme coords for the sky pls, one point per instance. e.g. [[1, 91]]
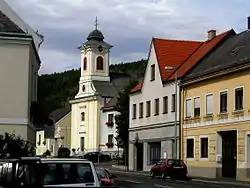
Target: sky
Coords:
[[128, 25]]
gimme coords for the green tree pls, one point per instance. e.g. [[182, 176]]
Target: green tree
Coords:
[[122, 119]]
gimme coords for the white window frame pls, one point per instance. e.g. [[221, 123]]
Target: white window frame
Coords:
[[191, 107], [194, 105], [208, 94], [208, 145], [222, 91], [190, 137], [113, 116], [238, 87]]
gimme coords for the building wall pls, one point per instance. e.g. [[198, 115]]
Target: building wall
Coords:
[[89, 129], [211, 126], [17, 90], [106, 130], [155, 128], [40, 143]]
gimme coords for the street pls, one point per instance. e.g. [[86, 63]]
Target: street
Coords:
[[130, 180]]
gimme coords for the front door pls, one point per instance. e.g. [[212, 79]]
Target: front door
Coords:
[[139, 156], [229, 154]]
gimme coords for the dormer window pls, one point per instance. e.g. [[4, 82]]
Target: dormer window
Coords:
[[152, 72], [99, 63], [85, 63]]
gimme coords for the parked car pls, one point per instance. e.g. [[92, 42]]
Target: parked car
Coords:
[[106, 178], [174, 168], [70, 172], [93, 156]]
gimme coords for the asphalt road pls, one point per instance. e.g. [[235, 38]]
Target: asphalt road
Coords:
[[130, 180]]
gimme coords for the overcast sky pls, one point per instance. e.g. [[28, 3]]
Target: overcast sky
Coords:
[[129, 25]]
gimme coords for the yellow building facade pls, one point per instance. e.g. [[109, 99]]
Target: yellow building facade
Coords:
[[216, 126]]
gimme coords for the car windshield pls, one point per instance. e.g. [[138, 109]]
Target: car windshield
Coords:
[[173, 162], [101, 173], [67, 173]]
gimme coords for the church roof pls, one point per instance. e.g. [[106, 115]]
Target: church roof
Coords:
[[95, 35], [58, 114]]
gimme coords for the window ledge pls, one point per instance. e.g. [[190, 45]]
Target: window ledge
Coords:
[[238, 112], [140, 117], [156, 114], [196, 118], [222, 114], [204, 159], [133, 118], [147, 116], [164, 112], [151, 80], [208, 116]]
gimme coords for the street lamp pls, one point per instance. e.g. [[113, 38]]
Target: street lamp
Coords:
[[168, 68]]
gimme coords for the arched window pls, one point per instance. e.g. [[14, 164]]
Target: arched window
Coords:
[[83, 116], [99, 63], [85, 63]]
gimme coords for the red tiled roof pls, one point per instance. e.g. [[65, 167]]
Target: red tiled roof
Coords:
[[205, 48], [172, 53], [137, 87], [182, 54]]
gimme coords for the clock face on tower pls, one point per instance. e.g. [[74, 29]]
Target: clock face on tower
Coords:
[[83, 88], [100, 48]]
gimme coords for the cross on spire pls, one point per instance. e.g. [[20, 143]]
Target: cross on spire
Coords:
[[96, 23]]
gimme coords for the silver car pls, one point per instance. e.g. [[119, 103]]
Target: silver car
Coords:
[[68, 172]]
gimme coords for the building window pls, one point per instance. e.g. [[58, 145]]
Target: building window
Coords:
[[83, 116], [110, 138], [134, 111], [188, 108], [204, 147], [99, 63], [82, 144], [209, 104], [239, 99], [148, 112], [110, 117], [165, 104], [190, 148], [39, 140], [223, 102], [85, 63], [156, 107], [154, 152], [152, 72], [141, 110], [173, 103], [197, 107]]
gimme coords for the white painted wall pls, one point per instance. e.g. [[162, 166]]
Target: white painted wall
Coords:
[[18, 80], [105, 131], [152, 90]]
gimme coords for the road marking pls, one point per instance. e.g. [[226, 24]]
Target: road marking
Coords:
[[158, 185], [131, 181], [205, 181], [180, 181]]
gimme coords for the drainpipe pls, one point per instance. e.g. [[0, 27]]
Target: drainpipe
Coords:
[[180, 120]]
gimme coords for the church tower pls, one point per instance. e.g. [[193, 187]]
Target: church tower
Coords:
[[94, 62]]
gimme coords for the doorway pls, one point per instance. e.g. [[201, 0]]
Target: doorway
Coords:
[[139, 157], [229, 153]]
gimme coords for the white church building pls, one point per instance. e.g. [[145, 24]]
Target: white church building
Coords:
[[93, 126]]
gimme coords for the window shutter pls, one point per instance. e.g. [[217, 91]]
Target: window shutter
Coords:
[[188, 108]]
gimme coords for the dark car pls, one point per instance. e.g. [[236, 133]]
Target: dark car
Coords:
[[106, 178], [174, 168], [93, 156]]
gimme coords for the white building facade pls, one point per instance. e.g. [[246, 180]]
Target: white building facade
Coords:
[[152, 119]]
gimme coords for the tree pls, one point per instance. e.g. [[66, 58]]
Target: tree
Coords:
[[122, 119], [12, 146]]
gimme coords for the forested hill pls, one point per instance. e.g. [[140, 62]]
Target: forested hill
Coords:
[[55, 90]]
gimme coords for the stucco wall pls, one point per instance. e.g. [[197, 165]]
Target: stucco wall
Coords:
[[211, 126]]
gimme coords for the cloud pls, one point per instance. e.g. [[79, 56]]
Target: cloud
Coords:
[[128, 25]]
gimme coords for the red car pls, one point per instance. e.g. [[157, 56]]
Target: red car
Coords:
[[174, 168], [106, 178]]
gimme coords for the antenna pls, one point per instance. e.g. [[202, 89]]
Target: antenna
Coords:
[[96, 23]]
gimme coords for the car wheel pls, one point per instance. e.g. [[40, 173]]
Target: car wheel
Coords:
[[152, 174]]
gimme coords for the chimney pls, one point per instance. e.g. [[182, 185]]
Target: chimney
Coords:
[[248, 23], [211, 34]]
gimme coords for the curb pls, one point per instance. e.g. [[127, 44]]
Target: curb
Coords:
[[247, 184]]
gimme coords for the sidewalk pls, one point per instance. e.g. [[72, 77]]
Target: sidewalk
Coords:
[[121, 169]]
